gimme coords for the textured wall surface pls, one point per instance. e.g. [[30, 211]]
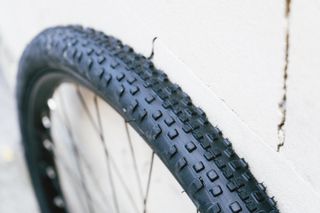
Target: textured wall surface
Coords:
[[238, 60], [16, 194]]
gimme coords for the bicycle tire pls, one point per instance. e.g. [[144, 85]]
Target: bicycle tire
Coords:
[[195, 152]]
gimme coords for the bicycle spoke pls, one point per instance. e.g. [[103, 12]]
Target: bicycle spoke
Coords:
[[85, 164], [111, 182], [71, 174], [112, 163], [76, 154], [112, 168], [50, 146], [124, 185], [86, 109], [148, 184], [134, 161]]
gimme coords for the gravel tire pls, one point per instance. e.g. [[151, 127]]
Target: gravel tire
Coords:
[[194, 150]]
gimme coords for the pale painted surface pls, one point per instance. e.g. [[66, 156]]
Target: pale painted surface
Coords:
[[235, 48], [302, 146], [229, 56], [282, 179], [14, 181]]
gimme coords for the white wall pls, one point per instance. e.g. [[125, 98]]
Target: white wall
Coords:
[[302, 147], [230, 57]]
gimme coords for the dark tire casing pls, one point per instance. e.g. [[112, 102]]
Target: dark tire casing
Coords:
[[196, 153]]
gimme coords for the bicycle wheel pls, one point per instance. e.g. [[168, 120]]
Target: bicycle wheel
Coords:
[[68, 78]]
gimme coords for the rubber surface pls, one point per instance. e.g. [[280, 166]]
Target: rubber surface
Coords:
[[196, 153]]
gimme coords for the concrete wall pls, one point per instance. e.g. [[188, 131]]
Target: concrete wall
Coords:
[[237, 60]]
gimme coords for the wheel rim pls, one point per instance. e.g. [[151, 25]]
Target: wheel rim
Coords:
[[52, 174]]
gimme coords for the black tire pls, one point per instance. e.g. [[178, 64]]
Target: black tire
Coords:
[[196, 153]]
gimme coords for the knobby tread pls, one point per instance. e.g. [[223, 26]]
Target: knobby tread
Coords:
[[215, 178]]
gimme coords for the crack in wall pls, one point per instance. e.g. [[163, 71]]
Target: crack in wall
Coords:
[[152, 49], [283, 103]]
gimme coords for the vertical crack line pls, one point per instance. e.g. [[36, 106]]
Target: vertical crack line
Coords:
[[152, 49], [288, 8], [283, 102]]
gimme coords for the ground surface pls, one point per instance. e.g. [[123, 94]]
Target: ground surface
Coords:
[[16, 194]]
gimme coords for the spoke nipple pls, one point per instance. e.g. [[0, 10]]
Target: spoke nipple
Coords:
[[46, 122], [50, 172], [48, 144], [51, 104], [58, 202]]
